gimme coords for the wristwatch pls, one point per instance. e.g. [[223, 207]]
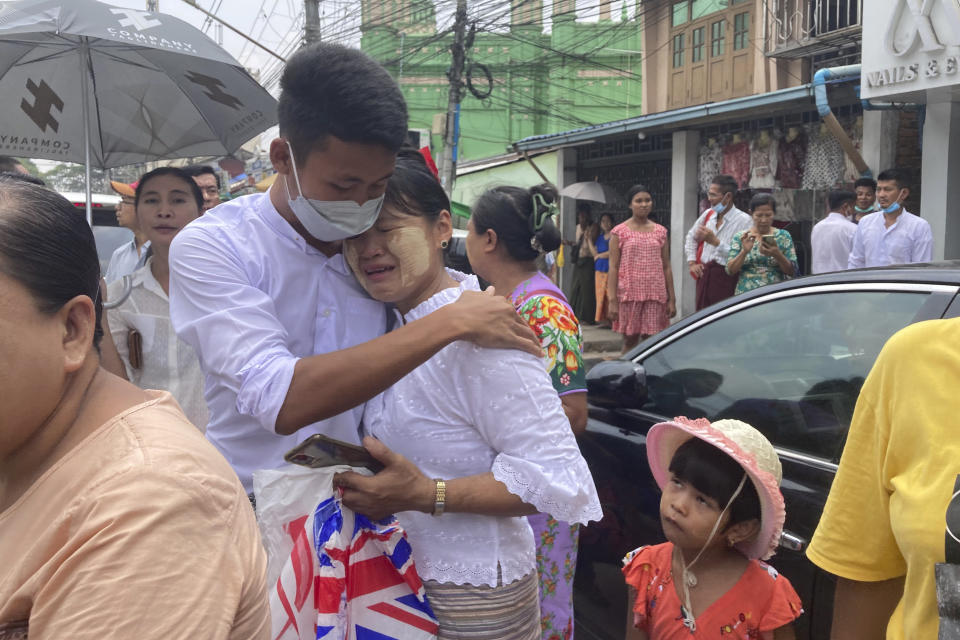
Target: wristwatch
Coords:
[[441, 500]]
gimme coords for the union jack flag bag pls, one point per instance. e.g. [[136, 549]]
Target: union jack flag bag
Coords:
[[333, 574]]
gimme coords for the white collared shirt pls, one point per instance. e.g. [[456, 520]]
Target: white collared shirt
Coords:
[[125, 260], [252, 297], [831, 241], [734, 221], [468, 411], [167, 363], [907, 240]]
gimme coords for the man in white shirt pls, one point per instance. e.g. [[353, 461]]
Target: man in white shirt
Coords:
[[128, 257], [707, 244], [891, 235], [832, 237], [289, 343], [866, 190]]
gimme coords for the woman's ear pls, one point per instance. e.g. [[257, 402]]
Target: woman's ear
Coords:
[[79, 322], [742, 531], [490, 241], [444, 226]]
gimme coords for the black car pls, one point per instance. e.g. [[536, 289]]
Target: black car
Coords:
[[789, 359]]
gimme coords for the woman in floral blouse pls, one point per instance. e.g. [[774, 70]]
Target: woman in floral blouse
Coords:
[[762, 254], [510, 227]]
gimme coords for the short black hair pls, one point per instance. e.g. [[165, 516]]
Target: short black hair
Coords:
[[894, 175], [513, 212], [634, 190], [195, 170], [48, 247], [727, 184], [714, 473], [413, 189], [839, 197], [177, 172], [8, 163], [23, 177], [332, 90], [870, 183], [762, 199]]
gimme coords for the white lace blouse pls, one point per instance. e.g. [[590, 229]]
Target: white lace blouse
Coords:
[[470, 410]]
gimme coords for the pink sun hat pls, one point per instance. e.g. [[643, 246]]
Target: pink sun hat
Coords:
[[744, 444]]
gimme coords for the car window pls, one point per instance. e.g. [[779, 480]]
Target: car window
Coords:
[[791, 367]]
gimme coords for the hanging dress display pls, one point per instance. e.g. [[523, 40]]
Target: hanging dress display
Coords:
[[824, 166], [763, 162], [791, 158], [711, 164], [736, 162]]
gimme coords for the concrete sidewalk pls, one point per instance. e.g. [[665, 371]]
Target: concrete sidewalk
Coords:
[[599, 344]]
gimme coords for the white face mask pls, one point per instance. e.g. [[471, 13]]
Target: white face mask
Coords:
[[329, 221]]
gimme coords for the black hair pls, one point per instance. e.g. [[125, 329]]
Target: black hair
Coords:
[[727, 184], [870, 183], [413, 189], [763, 199], [176, 172], [23, 177], [839, 197], [894, 175], [512, 212], [634, 190], [584, 206], [48, 247], [714, 473], [10, 164], [332, 90], [195, 170]]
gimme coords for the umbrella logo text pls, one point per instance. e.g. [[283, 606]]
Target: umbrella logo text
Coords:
[[45, 100], [139, 20], [214, 89]]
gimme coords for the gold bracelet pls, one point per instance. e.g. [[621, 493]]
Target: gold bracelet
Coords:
[[441, 500]]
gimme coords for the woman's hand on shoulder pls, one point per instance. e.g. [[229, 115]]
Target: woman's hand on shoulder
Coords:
[[489, 320], [400, 486]]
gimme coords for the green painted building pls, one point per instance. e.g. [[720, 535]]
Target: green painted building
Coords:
[[545, 78]]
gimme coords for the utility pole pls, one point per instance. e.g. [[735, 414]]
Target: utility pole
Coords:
[[448, 163], [311, 22]]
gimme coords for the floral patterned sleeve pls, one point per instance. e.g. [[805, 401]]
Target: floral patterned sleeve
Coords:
[[560, 337]]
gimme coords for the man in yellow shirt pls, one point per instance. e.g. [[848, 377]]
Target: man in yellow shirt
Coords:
[[884, 525]]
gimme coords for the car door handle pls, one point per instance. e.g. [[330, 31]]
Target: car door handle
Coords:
[[792, 541]]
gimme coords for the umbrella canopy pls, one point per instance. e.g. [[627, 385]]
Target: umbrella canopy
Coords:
[[139, 86], [590, 190]]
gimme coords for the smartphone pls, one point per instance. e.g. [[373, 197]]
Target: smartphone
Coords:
[[320, 451], [770, 240]]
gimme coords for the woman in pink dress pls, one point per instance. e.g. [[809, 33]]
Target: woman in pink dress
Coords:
[[640, 284]]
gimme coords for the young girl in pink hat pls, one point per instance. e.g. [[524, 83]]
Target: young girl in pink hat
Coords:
[[722, 512]]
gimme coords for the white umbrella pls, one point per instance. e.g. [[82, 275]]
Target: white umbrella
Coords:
[[591, 190], [107, 86]]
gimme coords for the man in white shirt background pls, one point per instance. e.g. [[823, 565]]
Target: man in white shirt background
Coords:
[[289, 343], [866, 191], [209, 182], [128, 257], [707, 245], [832, 238], [891, 235]]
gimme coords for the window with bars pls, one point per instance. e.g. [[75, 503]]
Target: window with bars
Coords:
[[741, 30], [718, 38], [678, 47], [696, 46]]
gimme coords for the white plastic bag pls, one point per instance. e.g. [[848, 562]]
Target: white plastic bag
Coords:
[[333, 574]]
